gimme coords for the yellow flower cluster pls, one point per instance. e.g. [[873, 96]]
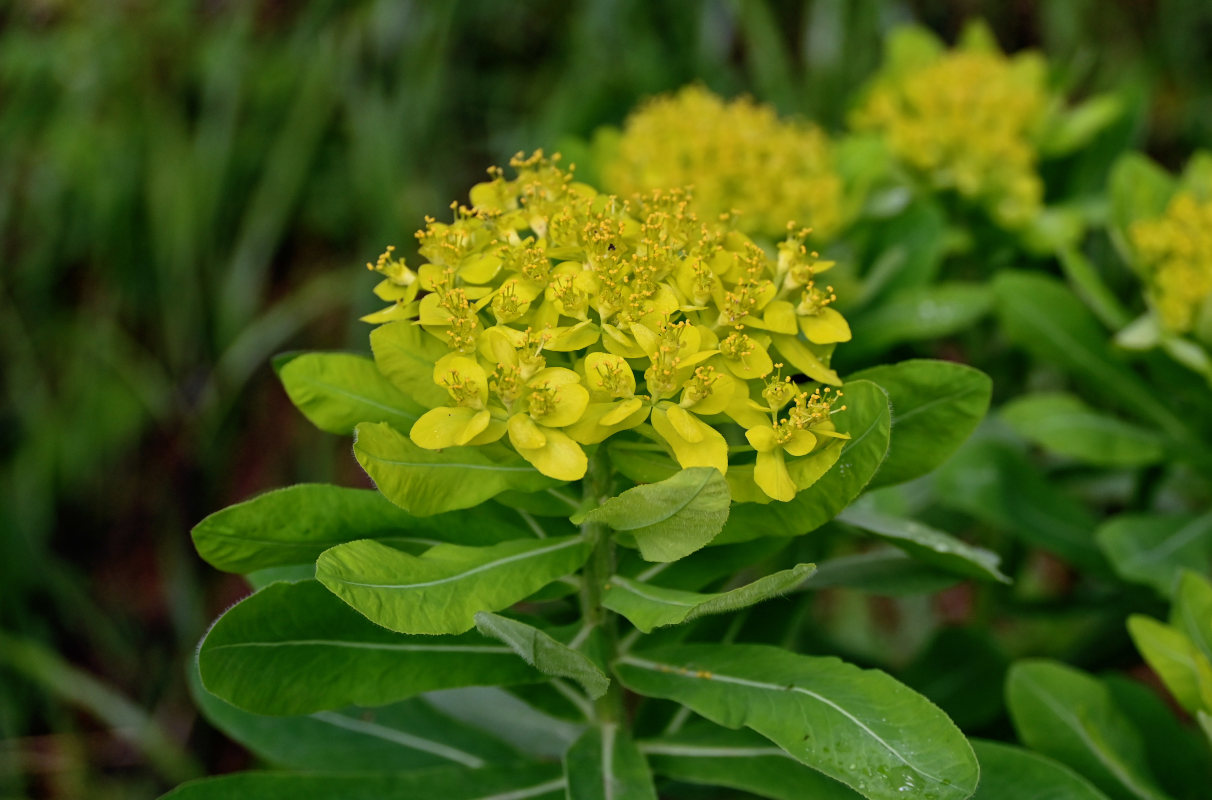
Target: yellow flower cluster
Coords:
[[966, 121], [736, 155], [570, 316], [1176, 251]]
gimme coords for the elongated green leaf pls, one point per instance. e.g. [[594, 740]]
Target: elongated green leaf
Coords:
[[1065, 425], [604, 764], [501, 713], [1191, 612], [1012, 773], [867, 419], [962, 670], [998, 485], [441, 590], [408, 735], [1152, 549], [927, 544], [265, 654], [647, 606], [1173, 656], [672, 518], [1205, 722], [739, 760], [1068, 715], [294, 525], [1139, 189], [858, 726], [935, 406], [885, 571], [920, 313], [406, 355], [425, 482], [1177, 754], [1040, 314], [336, 391], [537, 781], [543, 652]]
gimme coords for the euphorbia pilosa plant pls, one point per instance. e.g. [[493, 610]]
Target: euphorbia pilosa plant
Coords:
[[587, 418]]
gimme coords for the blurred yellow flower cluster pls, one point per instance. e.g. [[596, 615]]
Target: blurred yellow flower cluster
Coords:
[[570, 316], [737, 156], [1176, 251], [966, 120]]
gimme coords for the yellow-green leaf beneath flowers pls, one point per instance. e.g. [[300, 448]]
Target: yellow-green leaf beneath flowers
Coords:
[[827, 326], [544, 653], [771, 476], [425, 482], [647, 606], [557, 457], [800, 356], [672, 518], [441, 590], [406, 355], [336, 391], [706, 449]]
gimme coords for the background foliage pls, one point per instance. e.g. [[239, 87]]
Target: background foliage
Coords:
[[184, 190]]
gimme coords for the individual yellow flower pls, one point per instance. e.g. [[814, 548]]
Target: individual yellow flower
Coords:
[[1176, 252], [795, 435], [738, 156], [966, 120]]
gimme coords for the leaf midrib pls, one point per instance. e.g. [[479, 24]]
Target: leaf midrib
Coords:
[[525, 554], [672, 670]]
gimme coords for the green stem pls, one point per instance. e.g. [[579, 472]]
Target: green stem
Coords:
[[599, 568]]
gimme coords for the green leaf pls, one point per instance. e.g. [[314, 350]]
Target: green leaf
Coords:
[[936, 405], [672, 518], [919, 313], [1173, 656], [425, 482], [927, 544], [267, 653], [996, 484], [1068, 715], [1152, 549], [1139, 189], [885, 572], [1191, 612], [604, 764], [858, 726], [867, 418], [1063, 424], [1012, 773], [441, 590], [739, 760], [406, 355], [1043, 316], [408, 735], [336, 391], [646, 606], [1177, 753], [1074, 129], [962, 670], [544, 653], [526, 782], [294, 525]]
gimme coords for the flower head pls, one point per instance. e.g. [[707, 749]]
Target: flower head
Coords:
[[738, 156], [569, 317], [1176, 252], [966, 120]]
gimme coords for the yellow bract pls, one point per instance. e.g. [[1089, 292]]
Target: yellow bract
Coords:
[[570, 316], [1176, 250], [739, 157]]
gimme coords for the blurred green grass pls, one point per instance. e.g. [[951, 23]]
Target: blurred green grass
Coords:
[[188, 187]]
